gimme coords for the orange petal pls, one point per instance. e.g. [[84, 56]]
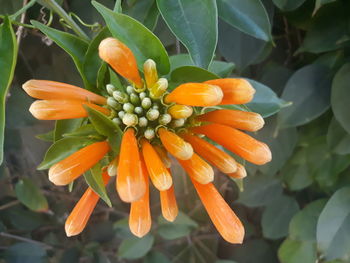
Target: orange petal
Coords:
[[195, 94], [240, 173], [62, 109], [175, 145], [244, 120], [162, 153], [168, 204], [121, 59], [223, 161], [82, 211], [130, 182], [224, 219], [236, 91], [52, 90], [158, 173], [140, 214], [180, 111], [198, 169], [238, 142], [67, 170]]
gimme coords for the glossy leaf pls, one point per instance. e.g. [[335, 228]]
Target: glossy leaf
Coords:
[[338, 139], [93, 177], [133, 248], [191, 74], [8, 57], [194, 23], [340, 97], [146, 12], [73, 45], [66, 126], [30, 195], [308, 91], [133, 34], [248, 16], [292, 251], [62, 148], [288, 5]]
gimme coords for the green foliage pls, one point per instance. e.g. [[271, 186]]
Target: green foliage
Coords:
[[30, 195]]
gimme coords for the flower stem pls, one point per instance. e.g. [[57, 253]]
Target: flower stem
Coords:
[[59, 10]]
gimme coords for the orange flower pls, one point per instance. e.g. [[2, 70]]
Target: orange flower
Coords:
[[198, 169], [62, 109], [243, 120], [168, 204], [222, 216], [82, 211], [52, 90], [240, 173], [236, 91], [175, 145], [67, 170], [238, 142], [140, 214], [163, 155], [130, 183]]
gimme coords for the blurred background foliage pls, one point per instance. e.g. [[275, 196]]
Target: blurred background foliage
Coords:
[[295, 209]]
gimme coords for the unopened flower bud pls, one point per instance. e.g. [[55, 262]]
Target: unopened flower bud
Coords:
[[152, 114], [146, 103], [110, 89], [143, 122], [130, 119], [129, 89], [150, 72], [180, 111], [138, 110], [120, 96], [164, 119], [142, 95], [128, 107], [112, 168], [178, 122], [121, 114], [159, 88], [149, 133], [155, 106], [117, 121], [113, 103], [134, 99]]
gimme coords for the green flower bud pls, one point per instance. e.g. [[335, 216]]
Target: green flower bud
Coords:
[[134, 99], [149, 133], [113, 103], [143, 122], [120, 96], [178, 122], [142, 95], [138, 110], [110, 89], [117, 121], [128, 107], [121, 114], [130, 119], [146, 103], [152, 114], [129, 89], [164, 119]]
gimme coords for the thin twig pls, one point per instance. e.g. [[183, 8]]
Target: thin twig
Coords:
[[9, 204], [46, 246], [20, 29], [178, 46]]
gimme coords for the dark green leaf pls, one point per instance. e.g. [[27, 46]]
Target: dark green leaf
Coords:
[[156, 257], [338, 138], [340, 97], [133, 248], [63, 148], [194, 23], [191, 74], [295, 251], [333, 226], [8, 58], [277, 215], [26, 253], [66, 126], [73, 45], [249, 16], [308, 90], [320, 3], [30, 195], [143, 43], [288, 5], [146, 12]]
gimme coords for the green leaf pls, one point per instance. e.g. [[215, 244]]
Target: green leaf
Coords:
[[338, 139], [308, 90], [333, 226], [133, 248], [320, 3], [48, 137], [143, 43], [156, 257], [87, 130], [303, 225], [288, 5], [340, 97], [146, 12], [26, 252], [254, 251], [191, 74], [295, 251], [194, 23], [220, 68], [277, 215], [63, 148], [260, 190], [182, 226], [66, 126], [8, 58], [106, 127], [73, 45], [30, 195], [92, 61], [94, 179], [248, 16], [265, 101]]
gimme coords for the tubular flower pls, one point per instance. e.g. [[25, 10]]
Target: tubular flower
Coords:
[[129, 132]]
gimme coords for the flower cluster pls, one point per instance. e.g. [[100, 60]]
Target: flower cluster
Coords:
[[155, 122]]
